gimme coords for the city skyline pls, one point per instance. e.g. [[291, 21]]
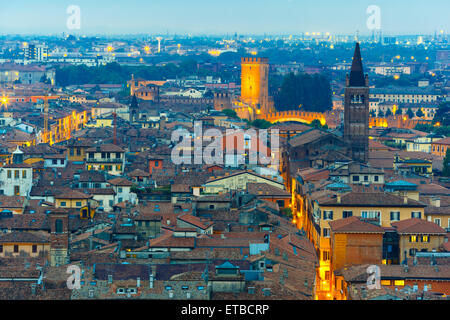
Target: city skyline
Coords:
[[250, 17]]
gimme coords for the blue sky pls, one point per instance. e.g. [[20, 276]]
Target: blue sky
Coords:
[[225, 16]]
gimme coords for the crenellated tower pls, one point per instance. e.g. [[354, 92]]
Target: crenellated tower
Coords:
[[255, 84]]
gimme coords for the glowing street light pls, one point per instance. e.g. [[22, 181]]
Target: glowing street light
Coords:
[[4, 100]]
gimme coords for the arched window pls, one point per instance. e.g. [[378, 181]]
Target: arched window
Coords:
[[58, 226]]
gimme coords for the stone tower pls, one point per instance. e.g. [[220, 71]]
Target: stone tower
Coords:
[[59, 237], [134, 110], [356, 110], [255, 84]]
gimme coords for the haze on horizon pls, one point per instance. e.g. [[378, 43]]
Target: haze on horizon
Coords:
[[223, 17]]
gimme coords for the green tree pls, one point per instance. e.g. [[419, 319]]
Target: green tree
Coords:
[[442, 114], [318, 125], [446, 164], [312, 92], [388, 113], [261, 124], [287, 212], [419, 113], [230, 113], [410, 113]]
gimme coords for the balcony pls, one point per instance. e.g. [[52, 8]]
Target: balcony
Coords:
[[104, 160]]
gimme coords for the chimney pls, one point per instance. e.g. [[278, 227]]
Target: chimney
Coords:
[[138, 282], [405, 268], [338, 198], [405, 200], [110, 278]]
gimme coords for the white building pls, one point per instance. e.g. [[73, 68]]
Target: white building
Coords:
[[122, 189], [16, 179]]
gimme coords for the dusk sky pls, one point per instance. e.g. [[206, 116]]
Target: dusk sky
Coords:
[[221, 17]]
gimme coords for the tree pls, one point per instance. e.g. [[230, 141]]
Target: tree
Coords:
[[312, 92], [419, 113], [398, 111], [261, 124], [442, 114], [410, 113], [446, 164], [388, 113], [230, 113], [380, 114], [318, 125], [372, 113], [287, 212]]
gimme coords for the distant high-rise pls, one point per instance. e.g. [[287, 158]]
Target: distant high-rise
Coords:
[[356, 110], [36, 52]]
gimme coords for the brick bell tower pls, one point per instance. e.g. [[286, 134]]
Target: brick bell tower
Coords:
[[59, 237], [356, 110]]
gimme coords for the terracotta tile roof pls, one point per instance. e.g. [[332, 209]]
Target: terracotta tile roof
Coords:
[[423, 272], [354, 225], [73, 194], [437, 210], [92, 176], [195, 221], [109, 147], [432, 189], [307, 137], [172, 242], [138, 173], [445, 141], [180, 188], [23, 237], [415, 225], [120, 182], [374, 199], [17, 165], [264, 189], [12, 201]]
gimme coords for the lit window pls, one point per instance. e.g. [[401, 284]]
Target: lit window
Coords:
[[385, 282], [399, 282], [413, 239]]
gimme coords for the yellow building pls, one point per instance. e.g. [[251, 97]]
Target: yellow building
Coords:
[[72, 199], [418, 235], [437, 214], [23, 244], [76, 150], [106, 157], [379, 208], [101, 123]]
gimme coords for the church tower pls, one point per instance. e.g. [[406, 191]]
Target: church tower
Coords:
[[356, 110], [134, 110]]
